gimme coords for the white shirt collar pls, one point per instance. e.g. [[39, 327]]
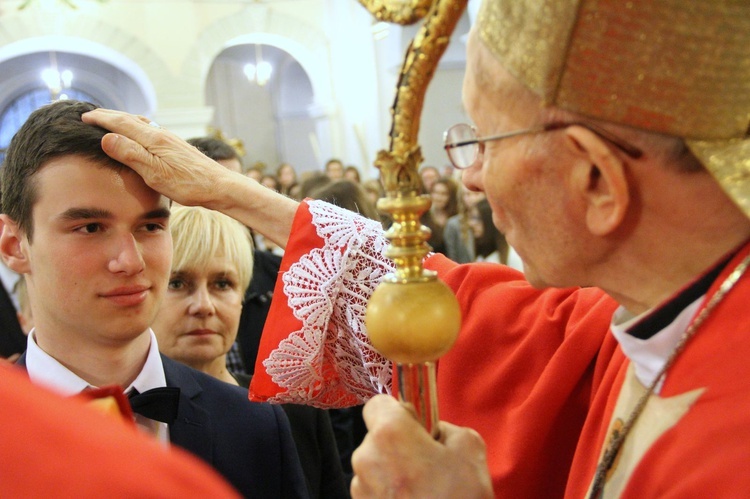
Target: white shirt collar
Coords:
[[649, 356], [45, 370]]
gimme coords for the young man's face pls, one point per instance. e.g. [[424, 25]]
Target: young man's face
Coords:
[[99, 261]]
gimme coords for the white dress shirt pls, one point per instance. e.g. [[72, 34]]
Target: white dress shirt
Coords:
[[45, 370], [649, 356]]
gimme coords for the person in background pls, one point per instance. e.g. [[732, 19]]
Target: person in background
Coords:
[[310, 427], [12, 337], [348, 195], [256, 171], [313, 181], [261, 242], [458, 234], [270, 181], [429, 175], [212, 266], [444, 194], [374, 190], [351, 173], [616, 159], [222, 152], [334, 169], [198, 320], [265, 266], [489, 243], [287, 176], [25, 318], [91, 240]]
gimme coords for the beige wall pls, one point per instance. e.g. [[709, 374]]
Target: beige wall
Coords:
[[168, 46]]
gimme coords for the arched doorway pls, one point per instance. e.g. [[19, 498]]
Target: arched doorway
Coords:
[[273, 118]]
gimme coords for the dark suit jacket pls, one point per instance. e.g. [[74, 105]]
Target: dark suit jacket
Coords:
[[316, 445], [249, 443], [12, 339], [256, 305]]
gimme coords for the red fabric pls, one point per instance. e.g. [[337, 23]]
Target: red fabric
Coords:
[[537, 374], [706, 453], [55, 447], [545, 352], [118, 396], [280, 321], [522, 372]]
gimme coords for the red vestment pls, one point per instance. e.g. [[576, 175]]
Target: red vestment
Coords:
[[56, 447], [535, 372]]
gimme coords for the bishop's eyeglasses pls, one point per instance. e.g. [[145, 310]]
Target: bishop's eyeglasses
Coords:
[[463, 146]]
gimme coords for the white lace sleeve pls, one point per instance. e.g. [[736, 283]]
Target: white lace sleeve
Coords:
[[330, 362]]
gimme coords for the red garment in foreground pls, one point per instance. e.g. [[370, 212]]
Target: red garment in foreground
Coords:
[[56, 447], [536, 373]]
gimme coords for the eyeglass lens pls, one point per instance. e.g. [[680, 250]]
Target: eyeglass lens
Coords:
[[462, 156]]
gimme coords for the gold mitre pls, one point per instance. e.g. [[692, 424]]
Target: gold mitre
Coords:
[[679, 67]]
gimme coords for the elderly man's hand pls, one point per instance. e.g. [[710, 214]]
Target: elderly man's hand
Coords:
[[398, 458], [167, 163], [181, 172]]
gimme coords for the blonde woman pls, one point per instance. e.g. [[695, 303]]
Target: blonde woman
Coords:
[[199, 317]]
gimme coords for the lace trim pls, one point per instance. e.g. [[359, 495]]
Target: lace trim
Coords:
[[330, 362]]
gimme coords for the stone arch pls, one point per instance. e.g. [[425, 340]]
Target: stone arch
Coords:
[[89, 36], [305, 42]]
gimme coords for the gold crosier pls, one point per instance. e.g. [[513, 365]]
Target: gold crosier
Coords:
[[412, 317]]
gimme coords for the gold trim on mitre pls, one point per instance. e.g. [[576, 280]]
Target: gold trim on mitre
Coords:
[[729, 162], [677, 67]]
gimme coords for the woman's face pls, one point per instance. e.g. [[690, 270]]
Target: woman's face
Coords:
[[475, 223], [471, 198], [270, 182], [440, 196], [287, 176], [200, 314]]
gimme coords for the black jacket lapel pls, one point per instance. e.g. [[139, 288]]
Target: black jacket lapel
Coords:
[[192, 428]]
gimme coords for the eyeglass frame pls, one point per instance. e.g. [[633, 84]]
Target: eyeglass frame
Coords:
[[629, 149]]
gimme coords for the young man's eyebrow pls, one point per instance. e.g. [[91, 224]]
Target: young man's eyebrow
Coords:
[[157, 213], [85, 213], [92, 213]]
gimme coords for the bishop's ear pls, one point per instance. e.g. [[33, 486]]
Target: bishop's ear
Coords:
[[11, 245], [599, 179]]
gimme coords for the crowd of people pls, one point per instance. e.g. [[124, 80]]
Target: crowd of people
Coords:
[[457, 230], [614, 365]]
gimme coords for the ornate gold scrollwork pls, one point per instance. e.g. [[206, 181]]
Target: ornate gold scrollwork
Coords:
[[402, 12], [412, 318]]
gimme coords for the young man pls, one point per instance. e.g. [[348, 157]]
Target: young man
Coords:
[[624, 168], [93, 243]]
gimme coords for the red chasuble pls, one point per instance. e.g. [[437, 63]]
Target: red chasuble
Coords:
[[535, 372]]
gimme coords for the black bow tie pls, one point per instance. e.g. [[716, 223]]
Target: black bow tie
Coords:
[[159, 404]]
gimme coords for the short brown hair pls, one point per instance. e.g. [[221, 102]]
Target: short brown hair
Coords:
[[52, 131], [215, 149]]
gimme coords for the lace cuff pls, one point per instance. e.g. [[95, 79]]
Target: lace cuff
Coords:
[[328, 360]]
